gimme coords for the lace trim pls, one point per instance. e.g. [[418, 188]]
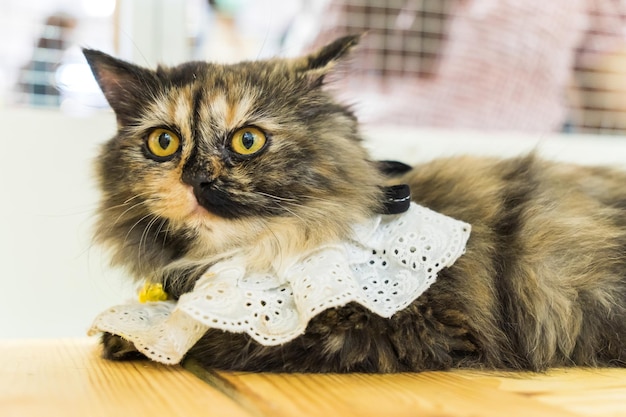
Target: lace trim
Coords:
[[389, 262]]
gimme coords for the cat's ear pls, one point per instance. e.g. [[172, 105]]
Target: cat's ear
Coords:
[[321, 62], [125, 86]]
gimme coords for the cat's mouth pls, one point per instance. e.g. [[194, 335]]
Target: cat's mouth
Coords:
[[229, 205], [204, 209], [216, 202], [199, 211], [192, 211]]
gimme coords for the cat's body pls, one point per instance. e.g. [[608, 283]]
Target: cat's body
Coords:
[[542, 283]]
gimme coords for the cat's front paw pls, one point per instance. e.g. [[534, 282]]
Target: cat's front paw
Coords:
[[116, 348]]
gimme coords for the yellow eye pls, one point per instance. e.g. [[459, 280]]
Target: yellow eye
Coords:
[[163, 143], [248, 141]]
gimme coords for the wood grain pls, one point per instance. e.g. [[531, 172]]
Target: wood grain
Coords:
[[425, 394], [586, 392], [68, 378]]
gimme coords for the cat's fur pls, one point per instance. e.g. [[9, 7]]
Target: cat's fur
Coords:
[[543, 281]]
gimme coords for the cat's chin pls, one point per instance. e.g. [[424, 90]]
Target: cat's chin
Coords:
[[214, 234], [206, 224], [263, 243], [199, 214]]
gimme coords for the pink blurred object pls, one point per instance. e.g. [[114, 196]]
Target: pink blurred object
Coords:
[[480, 64]]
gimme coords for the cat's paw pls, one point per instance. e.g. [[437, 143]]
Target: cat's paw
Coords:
[[116, 348]]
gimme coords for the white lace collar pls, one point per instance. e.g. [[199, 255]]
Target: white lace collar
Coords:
[[389, 262]]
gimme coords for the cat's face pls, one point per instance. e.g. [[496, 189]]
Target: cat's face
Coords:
[[209, 158]]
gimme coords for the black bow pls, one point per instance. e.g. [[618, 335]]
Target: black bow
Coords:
[[397, 199]]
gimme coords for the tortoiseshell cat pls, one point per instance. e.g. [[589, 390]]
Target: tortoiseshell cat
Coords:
[[258, 155]]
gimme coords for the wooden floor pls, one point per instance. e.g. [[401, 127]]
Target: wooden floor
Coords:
[[67, 378]]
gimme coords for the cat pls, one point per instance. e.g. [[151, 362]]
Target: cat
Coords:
[[259, 157]]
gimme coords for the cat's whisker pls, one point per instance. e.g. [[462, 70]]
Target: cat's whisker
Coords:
[[289, 200], [283, 202], [310, 210], [137, 196], [134, 206], [133, 227], [162, 220], [278, 244], [293, 213], [162, 232], [275, 197], [144, 235], [119, 206], [117, 220], [125, 203], [167, 231], [160, 229], [143, 240]]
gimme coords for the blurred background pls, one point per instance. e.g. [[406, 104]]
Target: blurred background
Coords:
[[430, 78], [517, 65]]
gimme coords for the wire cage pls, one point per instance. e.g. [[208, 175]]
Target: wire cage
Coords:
[[525, 65], [42, 50], [530, 65], [36, 80]]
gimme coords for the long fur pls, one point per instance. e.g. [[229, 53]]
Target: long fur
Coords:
[[542, 284]]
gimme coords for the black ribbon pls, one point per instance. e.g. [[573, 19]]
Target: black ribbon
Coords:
[[393, 168], [397, 199]]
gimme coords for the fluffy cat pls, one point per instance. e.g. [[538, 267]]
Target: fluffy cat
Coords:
[[258, 156]]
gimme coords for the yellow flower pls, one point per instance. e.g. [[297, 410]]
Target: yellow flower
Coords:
[[152, 292]]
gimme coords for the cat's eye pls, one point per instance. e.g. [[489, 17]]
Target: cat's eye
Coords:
[[248, 141], [163, 143]]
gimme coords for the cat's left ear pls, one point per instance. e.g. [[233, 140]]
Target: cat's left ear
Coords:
[[321, 62], [126, 86]]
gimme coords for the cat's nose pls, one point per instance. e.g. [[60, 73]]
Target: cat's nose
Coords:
[[201, 183], [202, 188], [197, 179], [208, 196]]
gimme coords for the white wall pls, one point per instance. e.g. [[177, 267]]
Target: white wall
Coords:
[[418, 145], [153, 32], [53, 281]]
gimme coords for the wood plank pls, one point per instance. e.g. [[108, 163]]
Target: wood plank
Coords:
[[68, 378], [425, 394], [587, 392]]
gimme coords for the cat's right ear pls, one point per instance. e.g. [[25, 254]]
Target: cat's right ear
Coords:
[[125, 86], [319, 63]]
